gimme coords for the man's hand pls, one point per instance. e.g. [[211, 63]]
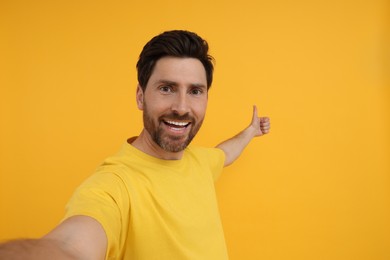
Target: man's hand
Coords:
[[261, 125]]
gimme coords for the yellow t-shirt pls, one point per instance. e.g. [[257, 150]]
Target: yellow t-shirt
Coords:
[[156, 209]]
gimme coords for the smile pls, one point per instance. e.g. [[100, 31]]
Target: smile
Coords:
[[176, 125]]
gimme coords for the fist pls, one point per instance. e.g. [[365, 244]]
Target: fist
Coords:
[[261, 125]]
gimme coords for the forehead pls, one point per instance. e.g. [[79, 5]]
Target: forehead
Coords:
[[179, 70]]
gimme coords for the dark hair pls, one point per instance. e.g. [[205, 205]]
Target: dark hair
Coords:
[[176, 43]]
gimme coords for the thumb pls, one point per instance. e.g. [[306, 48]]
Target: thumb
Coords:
[[254, 117]]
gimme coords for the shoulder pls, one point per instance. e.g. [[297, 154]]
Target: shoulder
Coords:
[[212, 158]]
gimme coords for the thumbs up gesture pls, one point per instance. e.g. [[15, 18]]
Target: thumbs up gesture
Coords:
[[261, 125]]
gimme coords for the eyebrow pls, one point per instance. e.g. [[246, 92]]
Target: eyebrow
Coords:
[[173, 83]]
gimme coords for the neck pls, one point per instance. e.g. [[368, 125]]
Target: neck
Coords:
[[145, 143]]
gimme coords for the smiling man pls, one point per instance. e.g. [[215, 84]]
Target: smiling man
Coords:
[[155, 198], [174, 104]]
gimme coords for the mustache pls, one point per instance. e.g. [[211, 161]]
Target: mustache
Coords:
[[173, 116]]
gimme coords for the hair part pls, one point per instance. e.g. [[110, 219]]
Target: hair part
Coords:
[[176, 43]]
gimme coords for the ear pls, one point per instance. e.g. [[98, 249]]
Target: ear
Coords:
[[140, 98]]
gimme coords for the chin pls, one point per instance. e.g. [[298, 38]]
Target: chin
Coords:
[[174, 147]]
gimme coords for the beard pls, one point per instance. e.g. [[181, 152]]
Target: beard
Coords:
[[170, 143]]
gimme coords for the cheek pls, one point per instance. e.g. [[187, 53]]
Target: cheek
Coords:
[[200, 108], [156, 107]]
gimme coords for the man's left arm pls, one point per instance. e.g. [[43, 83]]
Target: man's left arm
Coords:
[[234, 146]]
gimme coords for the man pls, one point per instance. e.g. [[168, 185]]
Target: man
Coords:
[[155, 199]]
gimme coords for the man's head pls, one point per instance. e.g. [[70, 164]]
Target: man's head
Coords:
[[177, 43], [174, 73]]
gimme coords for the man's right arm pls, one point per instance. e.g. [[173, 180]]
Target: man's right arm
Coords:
[[79, 237]]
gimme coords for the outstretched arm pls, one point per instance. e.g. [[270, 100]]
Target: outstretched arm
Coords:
[[234, 146], [79, 237]]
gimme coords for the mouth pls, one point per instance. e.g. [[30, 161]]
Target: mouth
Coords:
[[177, 126]]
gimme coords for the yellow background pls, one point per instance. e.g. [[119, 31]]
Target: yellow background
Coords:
[[317, 187]]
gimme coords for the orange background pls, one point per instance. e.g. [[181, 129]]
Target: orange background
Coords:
[[317, 187]]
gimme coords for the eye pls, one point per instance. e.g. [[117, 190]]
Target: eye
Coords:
[[196, 91], [166, 89]]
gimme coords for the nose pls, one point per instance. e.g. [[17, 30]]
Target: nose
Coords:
[[180, 104]]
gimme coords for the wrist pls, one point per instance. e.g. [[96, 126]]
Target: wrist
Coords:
[[251, 131]]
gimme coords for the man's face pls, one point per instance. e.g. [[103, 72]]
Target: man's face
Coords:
[[174, 102]]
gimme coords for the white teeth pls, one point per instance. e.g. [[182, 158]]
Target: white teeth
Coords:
[[177, 123]]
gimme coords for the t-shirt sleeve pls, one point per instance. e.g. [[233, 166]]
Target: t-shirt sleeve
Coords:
[[103, 197], [217, 161]]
